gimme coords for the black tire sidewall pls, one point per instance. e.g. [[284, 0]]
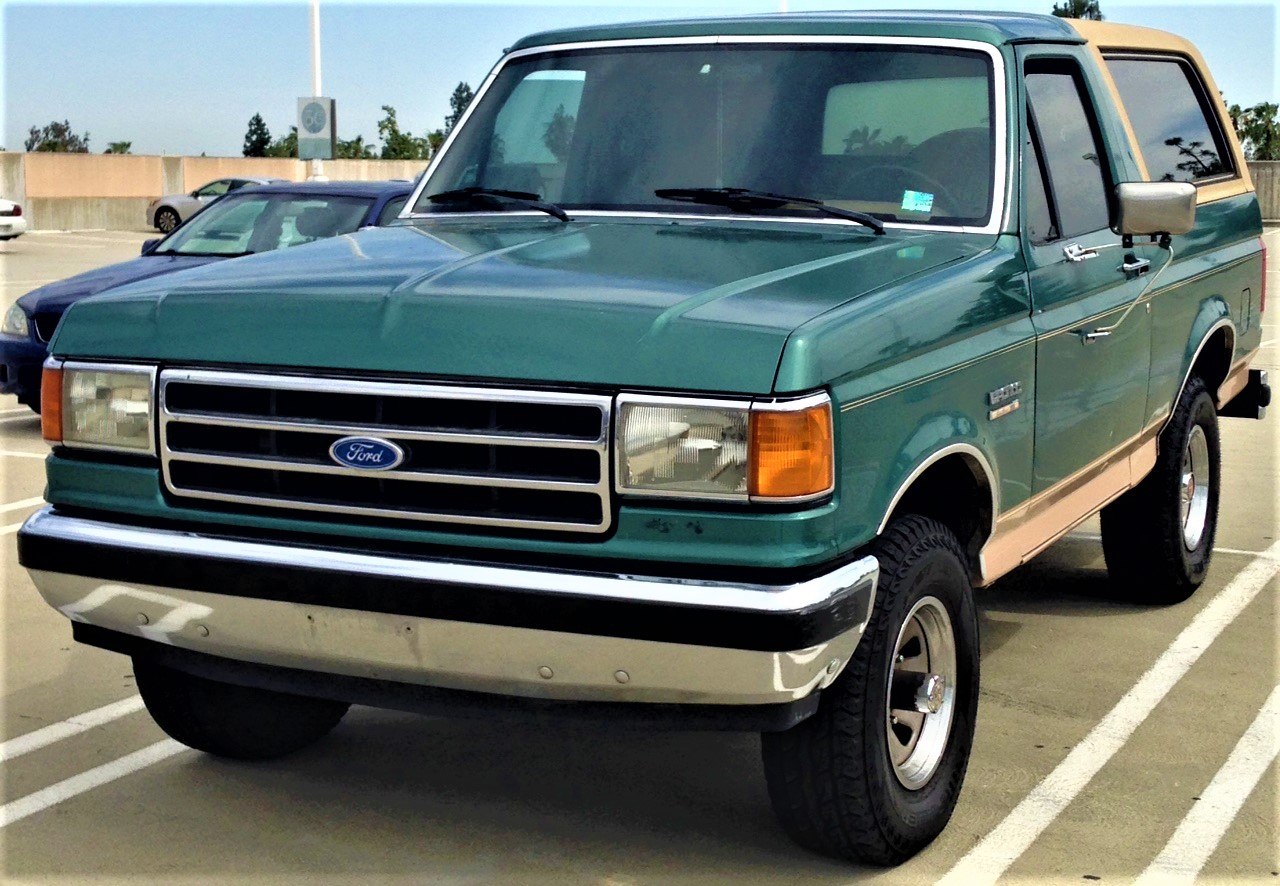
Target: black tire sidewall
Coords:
[[1196, 409], [921, 814]]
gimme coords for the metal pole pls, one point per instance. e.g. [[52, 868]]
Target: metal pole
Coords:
[[317, 166]]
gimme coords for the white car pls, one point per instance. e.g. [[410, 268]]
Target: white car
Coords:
[[12, 221]]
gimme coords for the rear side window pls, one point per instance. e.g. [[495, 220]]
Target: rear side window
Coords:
[[1064, 131], [1177, 131]]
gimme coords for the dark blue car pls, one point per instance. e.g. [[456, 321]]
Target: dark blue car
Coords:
[[253, 219]]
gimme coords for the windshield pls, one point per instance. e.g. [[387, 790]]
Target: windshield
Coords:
[[240, 224], [905, 134]]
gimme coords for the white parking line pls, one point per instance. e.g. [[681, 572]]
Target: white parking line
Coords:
[[1200, 832], [87, 781], [34, 741], [1006, 843], [14, 453], [19, 505], [10, 419], [10, 529]]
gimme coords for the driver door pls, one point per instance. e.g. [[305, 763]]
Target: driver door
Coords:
[[1091, 392]]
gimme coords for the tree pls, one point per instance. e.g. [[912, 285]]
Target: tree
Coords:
[[1258, 130], [354, 149], [286, 146], [435, 139], [1086, 9], [118, 147], [258, 138], [397, 145], [57, 138], [559, 134], [462, 96]]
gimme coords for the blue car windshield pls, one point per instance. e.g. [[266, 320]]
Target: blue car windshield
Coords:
[[242, 224]]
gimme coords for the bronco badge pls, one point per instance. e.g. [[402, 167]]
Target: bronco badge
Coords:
[[366, 453]]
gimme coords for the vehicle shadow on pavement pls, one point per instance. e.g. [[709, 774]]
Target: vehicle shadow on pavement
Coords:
[[531, 803]]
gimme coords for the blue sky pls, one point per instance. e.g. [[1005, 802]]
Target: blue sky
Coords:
[[184, 77]]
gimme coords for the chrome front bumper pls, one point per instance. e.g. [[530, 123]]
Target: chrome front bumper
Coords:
[[536, 633]]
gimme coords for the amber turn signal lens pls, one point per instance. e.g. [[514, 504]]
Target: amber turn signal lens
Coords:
[[791, 453], [51, 404]]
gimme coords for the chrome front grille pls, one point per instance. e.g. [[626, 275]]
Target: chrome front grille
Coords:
[[475, 456]]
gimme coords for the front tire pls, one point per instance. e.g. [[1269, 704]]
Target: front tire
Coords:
[[166, 220], [874, 775], [1158, 537], [232, 721]]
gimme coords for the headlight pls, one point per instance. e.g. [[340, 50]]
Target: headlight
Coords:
[[728, 450], [15, 321], [107, 407]]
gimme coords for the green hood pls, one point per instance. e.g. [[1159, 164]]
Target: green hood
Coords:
[[694, 306]]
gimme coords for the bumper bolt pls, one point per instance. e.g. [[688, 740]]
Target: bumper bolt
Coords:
[[622, 676], [142, 618], [833, 666], [202, 630], [546, 673]]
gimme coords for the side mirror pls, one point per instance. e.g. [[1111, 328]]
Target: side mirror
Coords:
[[149, 245], [1150, 209]]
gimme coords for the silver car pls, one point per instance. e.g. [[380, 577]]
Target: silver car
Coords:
[[166, 213]]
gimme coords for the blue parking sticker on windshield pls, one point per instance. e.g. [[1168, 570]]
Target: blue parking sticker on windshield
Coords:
[[917, 201]]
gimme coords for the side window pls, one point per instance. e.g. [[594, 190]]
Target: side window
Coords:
[[214, 189], [1040, 225], [1073, 156], [391, 209], [1177, 130]]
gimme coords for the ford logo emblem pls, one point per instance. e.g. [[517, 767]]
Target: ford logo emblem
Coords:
[[366, 453]]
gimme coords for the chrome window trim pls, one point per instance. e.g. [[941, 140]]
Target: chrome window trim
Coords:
[[1001, 186], [424, 390], [93, 366]]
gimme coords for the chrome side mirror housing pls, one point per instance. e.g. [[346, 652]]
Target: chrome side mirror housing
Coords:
[[1154, 209]]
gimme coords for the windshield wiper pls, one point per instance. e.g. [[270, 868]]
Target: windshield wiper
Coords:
[[745, 199], [484, 195], [202, 254]]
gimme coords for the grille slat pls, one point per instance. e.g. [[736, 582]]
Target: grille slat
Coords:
[[473, 456]]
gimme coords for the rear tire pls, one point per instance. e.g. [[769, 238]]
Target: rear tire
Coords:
[[232, 721], [850, 781], [1158, 537], [166, 220]]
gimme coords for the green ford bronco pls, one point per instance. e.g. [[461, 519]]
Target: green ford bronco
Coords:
[[710, 368]]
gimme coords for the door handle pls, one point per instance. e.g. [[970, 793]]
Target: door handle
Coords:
[[1135, 266], [1089, 336], [1077, 253]]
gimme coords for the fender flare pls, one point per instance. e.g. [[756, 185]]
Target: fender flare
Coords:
[[937, 455], [1221, 321]]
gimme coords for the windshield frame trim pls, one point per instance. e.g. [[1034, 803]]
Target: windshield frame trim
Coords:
[[997, 219]]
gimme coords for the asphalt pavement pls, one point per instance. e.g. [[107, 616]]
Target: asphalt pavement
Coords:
[[1114, 741]]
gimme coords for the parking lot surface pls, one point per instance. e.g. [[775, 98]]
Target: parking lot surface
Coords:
[[1114, 741]]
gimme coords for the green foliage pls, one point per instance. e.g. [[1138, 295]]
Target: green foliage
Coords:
[[1086, 9], [284, 147], [462, 96], [354, 149], [57, 138], [257, 140], [435, 139], [118, 147], [559, 134], [866, 140], [397, 145], [1258, 129]]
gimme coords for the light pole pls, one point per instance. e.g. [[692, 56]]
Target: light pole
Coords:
[[317, 166]]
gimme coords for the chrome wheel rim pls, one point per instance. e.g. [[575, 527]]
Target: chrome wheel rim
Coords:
[[921, 695], [1194, 496], [165, 223]]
